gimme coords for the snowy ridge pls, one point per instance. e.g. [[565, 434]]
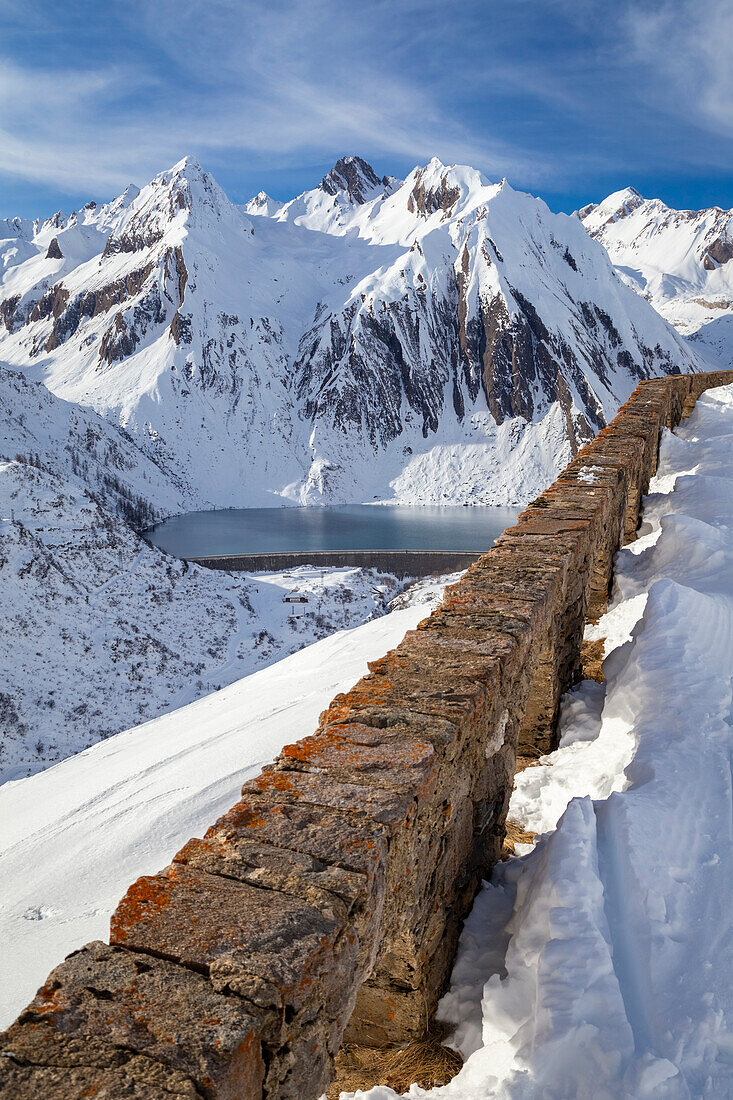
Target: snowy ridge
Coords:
[[598, 964], [72, 442], [354, 344], [679, 260]]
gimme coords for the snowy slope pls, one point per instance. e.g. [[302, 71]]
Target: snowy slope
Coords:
[[679, 260], [101, 631], [358, 343], [92, 824], [598, 965], [73, 442]]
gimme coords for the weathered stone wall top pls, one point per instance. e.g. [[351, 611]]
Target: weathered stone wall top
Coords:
[[327, 902]]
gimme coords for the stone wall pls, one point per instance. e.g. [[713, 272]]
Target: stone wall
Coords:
[[327, 903], [400, 563]]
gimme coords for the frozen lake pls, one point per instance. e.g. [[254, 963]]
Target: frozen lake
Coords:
[[349, 527]]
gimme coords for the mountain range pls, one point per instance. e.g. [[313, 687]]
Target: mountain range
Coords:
[[679, 260], [438, 339]]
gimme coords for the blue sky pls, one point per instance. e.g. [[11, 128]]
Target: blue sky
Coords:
[[569, 99]]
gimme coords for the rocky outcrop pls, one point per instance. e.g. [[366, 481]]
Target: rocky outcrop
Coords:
[[718, 252], [54, 251], [427, 200], [354, 176], [328, 901]]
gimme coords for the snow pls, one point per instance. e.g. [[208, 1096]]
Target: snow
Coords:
[[103, 631], [310, 352], [90, 825], [598, 964], [663, 254]]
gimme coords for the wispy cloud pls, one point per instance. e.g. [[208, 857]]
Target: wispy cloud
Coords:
[[686, 47], [547, 92], [281, 82]]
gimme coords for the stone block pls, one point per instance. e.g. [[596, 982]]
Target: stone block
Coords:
[[333, 837], [276, 951], [377, 804], [38, 1063], [300, 968], [153, 1007], [385, 757]]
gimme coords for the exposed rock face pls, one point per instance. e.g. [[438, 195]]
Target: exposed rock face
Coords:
[[428, 198], [54, 252], [356, 177], [718, 252], [328, 900]]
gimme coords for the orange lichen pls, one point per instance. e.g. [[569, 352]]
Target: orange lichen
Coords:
[[148, 895], [241, 816], [276, 781]]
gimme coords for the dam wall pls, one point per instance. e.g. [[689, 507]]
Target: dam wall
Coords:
[[326, 904], [400, 563]]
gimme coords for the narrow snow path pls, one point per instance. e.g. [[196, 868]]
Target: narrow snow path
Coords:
[[116, 577], [600, 963], [74, 837]]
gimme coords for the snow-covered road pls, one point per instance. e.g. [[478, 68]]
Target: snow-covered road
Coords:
[[74, 837], [600, 964]]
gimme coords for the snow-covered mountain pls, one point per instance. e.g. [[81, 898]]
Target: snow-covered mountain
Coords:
[[679, 260], [438, 339], [71, 441]]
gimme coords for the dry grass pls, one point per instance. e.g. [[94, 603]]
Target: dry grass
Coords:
[[515, 834], [591, 658], [424, 1061], [527, 762]]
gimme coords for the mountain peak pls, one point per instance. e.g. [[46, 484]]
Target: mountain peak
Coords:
[[188, 187], [621, 203], [187, 166], [356, 177], [438, 186], [263, 204]]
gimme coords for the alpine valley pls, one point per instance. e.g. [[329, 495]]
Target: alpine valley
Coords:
[[440, 339]]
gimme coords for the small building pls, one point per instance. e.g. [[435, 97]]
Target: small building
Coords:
[[296, 600]]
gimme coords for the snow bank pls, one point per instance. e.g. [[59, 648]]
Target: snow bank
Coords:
[[599, 964]]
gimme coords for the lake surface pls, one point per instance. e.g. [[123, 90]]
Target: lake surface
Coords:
[[349, 527]]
